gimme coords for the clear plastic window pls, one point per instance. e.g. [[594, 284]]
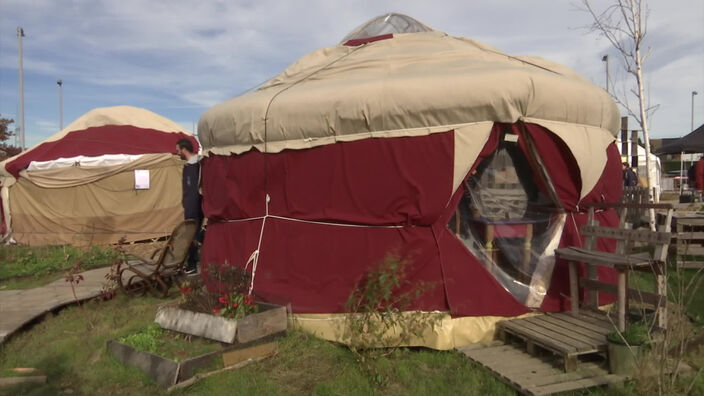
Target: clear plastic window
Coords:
[[507, 219]]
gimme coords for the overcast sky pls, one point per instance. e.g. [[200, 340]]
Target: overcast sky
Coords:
[[177, 58]]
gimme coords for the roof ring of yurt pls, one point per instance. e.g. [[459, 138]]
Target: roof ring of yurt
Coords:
[[390, 23]]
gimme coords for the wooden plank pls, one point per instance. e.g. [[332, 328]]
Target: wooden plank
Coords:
[[633, 294], [689, 235], [627, 205], [560, 377], [595, 337], [550, 340], [28, 379], [528, 376], [683, 221], [574, 289], [256, 352], [513, 356], [577, 384], [690, 250], [599, 327], [270, 319], [640, 235], [538, 374], [599, 317], [513, 363], [690, 264], [490, 350], [602, 258], [481, 345], [564, 334]]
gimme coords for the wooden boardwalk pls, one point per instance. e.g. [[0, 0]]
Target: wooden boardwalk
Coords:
[[534, 375], [561, 333], [19, 307]]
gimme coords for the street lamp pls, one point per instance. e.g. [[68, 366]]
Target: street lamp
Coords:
[[605, 59], [20, 34], [693, 93], [61, 104]]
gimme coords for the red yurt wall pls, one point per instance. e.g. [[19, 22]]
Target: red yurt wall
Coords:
[[382, 196]]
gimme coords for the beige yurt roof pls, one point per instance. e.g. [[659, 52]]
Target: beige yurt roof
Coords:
[[102, 116], [415, 84], [426, 81]]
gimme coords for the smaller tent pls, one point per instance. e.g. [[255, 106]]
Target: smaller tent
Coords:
[[111, 174], [690, 143]]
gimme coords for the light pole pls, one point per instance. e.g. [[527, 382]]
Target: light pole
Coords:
[[693, 93], [61, 104], [605, 59], [20, 34]]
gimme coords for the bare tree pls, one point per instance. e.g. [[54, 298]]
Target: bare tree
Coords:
[[624, 24]]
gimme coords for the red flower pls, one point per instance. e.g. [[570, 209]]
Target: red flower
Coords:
[[222, 300], [234, 304], [216, 310]]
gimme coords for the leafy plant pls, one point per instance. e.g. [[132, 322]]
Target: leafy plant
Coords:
[[145, 340], [635, 334], [228, 296], [171, 345], [236, 305], [109, 287], [74, 277], [377, 313]]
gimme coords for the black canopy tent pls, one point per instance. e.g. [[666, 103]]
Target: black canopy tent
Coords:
[[691, 143]]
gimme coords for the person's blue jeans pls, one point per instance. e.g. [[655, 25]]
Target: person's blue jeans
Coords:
[[193, 256]]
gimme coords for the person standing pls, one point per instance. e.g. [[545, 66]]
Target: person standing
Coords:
[[192, 208], [629, 177]]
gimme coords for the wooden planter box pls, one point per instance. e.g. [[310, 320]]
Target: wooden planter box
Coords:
[[270, 319], [167, 372]]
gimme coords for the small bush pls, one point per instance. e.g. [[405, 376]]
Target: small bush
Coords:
[[377, 319], [145, 340], [636, 334]]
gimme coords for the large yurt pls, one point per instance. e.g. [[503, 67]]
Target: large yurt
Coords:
[[469, 163], [111, 174]]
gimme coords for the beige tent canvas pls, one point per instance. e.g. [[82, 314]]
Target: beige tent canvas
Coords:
[[111, 174]]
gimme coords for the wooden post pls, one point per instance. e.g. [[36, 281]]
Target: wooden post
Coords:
[[634, 150], [574, 288], [592, 272], [490, 242], [624, 135], [661, 291], [621, 300]]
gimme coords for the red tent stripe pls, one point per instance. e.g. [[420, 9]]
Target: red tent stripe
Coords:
[[96, 141]]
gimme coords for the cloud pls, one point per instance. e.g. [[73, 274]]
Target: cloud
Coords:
[[180, 57]]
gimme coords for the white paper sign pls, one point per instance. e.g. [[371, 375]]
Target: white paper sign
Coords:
[[141, 179]]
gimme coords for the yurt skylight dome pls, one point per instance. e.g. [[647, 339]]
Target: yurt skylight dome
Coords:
[[391, 23]]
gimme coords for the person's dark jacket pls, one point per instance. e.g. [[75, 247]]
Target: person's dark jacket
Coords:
[[191, 196], [629, 178], [692, 177]]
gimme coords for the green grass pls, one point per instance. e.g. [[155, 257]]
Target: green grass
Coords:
[[24, 267], [171, 345], [693, 299], [70, 349]]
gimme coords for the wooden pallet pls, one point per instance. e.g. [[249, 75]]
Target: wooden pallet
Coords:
[[533, 375], [561, 333]]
